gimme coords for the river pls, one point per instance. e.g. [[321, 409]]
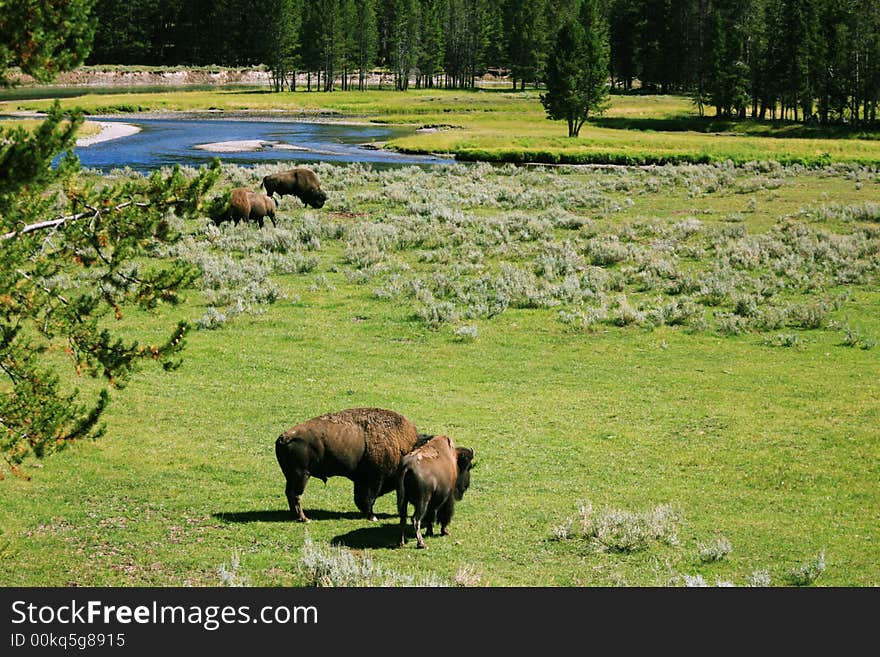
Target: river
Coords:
[[245, 141]]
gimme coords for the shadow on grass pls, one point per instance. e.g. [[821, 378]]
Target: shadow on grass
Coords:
[[386, 535], [283, 515], [745, 127]]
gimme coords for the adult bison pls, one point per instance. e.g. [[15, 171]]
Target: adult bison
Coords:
[[363, 444], [247, 205], [300, 182], [432, 477]]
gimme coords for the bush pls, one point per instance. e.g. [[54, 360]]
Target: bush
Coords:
[[618, 530], [338, 566], [714, 550], [807, 572]]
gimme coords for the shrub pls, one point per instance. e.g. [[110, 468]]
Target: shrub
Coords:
[[338, 566], [618, 530], [212, 319], [435, 313], [855, 337], [714, 550], [231, 576], [466, 333], [809, 315], [625, 313], [807, 572], [786, 340], [759, 578], [467, 576]]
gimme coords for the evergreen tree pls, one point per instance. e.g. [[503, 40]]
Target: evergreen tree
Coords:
[[577, 70], [729, 73], [74, 255], [525, 34], [366, 40], [278, 45], [311, 23], [44, 37], [404, 54], [623, 42], [431, 43]]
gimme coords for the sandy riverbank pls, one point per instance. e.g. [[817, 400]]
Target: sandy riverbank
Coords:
[[109, 130]]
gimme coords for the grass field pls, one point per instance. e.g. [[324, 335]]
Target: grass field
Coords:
[[669, 376], [504, 126], [87, 129]]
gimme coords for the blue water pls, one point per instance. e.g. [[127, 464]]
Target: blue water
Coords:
[[165, 142]]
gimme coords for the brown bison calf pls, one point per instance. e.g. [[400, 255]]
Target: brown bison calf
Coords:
[[432, 477], [246, 205], [362, 444], [300, 182]]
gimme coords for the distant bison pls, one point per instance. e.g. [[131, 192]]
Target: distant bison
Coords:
[[300, 182], [363, 444], [247, 205], [432, 477]]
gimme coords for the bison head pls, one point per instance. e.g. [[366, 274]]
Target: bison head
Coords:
[[464, 457], [316, 199]]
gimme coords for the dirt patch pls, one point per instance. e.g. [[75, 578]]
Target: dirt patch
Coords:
[[94, 77]]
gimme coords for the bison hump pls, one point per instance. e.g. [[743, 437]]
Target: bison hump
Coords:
[[388, 435]]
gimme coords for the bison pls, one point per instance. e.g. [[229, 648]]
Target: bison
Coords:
[[248, 205], [432, 477], [300, 182], [363, 444]]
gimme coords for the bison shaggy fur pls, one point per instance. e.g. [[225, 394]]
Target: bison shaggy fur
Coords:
[[432, 477], [362, 444], [247, 205], [300, 182]]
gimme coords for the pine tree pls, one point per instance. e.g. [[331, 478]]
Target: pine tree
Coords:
[[405, 35], [366, 40], [525, 33], [74, 256], [577, 70], [278, 46], [44, 37], [431, 43]]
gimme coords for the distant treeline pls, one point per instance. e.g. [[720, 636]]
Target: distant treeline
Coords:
[[811, 60]]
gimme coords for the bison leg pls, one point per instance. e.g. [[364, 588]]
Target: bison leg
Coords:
[[296, 484], [429, 522], [444, 515], [421, 509], [417, 525], [401, 509], [365, 493]]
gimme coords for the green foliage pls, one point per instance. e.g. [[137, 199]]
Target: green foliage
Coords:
[[577, 70], [44, 37], [64, 281], [72, 261]]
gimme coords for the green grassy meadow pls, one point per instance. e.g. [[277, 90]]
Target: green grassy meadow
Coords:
[[505, 126], [701, 337]]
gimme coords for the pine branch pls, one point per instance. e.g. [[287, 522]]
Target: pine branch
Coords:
[[54, 223]]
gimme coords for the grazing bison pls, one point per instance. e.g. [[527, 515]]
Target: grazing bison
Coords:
[[432, 477], [363, 444], [246, 205], [300, 182]]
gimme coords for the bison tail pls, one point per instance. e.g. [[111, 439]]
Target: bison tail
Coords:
[[281, 453]]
